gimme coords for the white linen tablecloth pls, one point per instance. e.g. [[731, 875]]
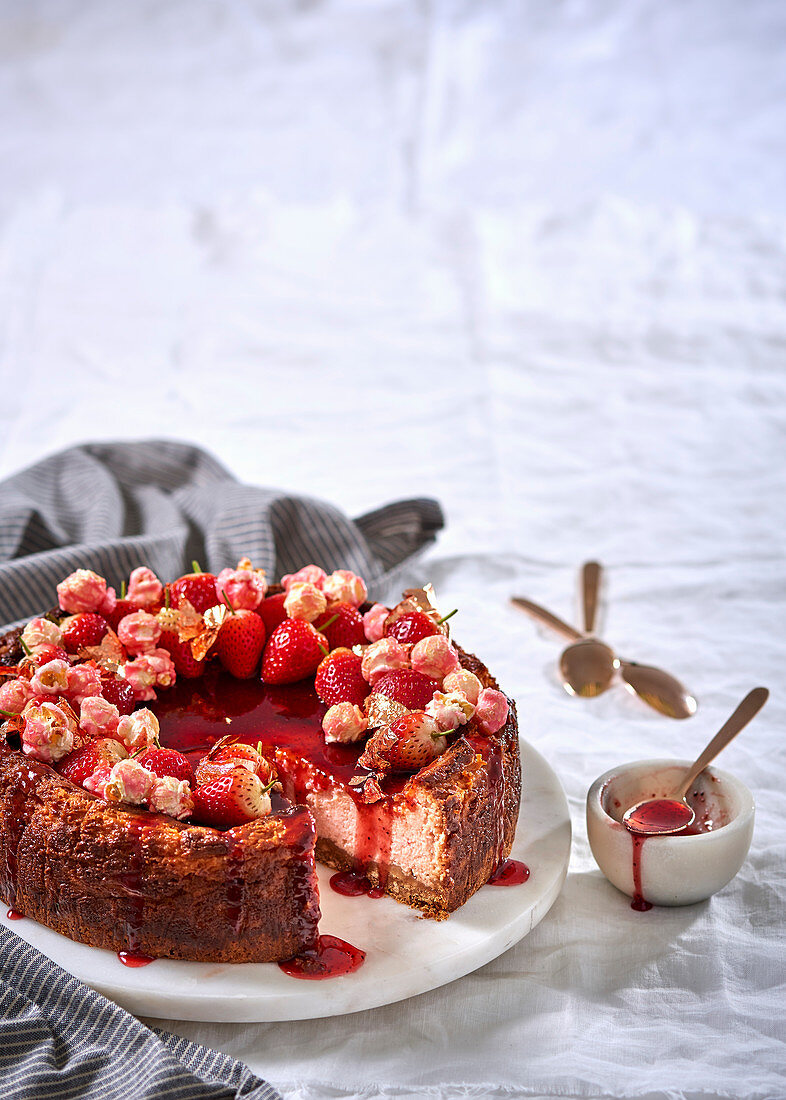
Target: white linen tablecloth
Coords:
[[529, 259]]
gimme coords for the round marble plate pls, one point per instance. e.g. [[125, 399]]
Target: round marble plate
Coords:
[[405, 953]]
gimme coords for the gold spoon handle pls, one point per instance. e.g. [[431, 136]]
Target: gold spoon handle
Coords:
[[750, 706], [547, 617], [590, 586]]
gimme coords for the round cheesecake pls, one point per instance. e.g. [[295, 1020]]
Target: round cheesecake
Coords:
[[120, 877]]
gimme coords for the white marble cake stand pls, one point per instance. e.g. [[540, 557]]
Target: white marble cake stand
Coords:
[[405, 954]]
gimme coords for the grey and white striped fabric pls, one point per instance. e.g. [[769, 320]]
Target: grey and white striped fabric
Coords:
[[60, 1040], [111, 507]]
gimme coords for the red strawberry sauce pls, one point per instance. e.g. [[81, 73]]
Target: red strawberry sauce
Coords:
[[330, 958]]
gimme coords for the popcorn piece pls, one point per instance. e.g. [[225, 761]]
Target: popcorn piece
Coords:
[[83, 590], [435, 657], [139, 632], [304, 601], [171, 796], [374, 622], [15, 695], [382, 657], [145, 590], [491, 713], [465, 682], [51, 678], [138, 730], [84, 682], [40, 633], [344, 722], [344, 586], [244, 587], [309, 574], [47, 732], [98, 717], [450, 710], [148, 671], [108, 604], [129, 782]]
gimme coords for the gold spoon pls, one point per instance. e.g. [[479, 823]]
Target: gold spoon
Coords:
[[587, 666], [670, 814], [659, 689]]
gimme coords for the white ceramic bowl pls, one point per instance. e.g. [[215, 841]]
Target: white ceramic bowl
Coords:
[[674, 870]]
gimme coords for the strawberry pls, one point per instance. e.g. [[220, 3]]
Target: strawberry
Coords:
[[186, 664], [84, 630], [224, 756], [407, 744], [198, 588], [119, 692], [48, 653], [339, 679], [120, 610], [232, 799], [271, 611], [412, 689], [164, 762], [411, 627], [81, 764], [293, 651], [241, 641], [343, 626]]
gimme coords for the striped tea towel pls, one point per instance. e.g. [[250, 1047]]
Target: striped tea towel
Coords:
[[60, 1040], [113, 506]]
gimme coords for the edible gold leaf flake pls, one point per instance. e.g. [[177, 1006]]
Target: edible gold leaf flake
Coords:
[[381, 710], [208, 632], [109, 654]]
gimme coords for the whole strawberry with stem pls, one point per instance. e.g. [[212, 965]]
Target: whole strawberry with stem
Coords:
[[226, 755], [293, 651], [166, 762], [186, 664], [412, 689], [411, 627], [232, 799], [198, 588], [342, 625], [339, 679], [406, 745], [241, 641]]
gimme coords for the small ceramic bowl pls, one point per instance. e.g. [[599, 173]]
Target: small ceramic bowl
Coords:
[[672, 870]]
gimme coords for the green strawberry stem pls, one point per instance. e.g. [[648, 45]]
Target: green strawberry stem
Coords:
[[166, 599], [9, 713], [196, 567], [330, 622], [445, 618], [270, 785], [228, 602], [123, 590], [25, 647]]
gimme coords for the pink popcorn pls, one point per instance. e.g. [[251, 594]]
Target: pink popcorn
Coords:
[[84, 681], [382, 657], [15, 695], [148, 671], [47, 733], [138, 730], [244, 587], [82, 590], [304, 601], [465, 682], [309, 574], [346, 587], [171, 796], [450, 710], [374, 622], [145, 590], [139, 632], [344, 722], [51, 678], [108, 604], [434, 656], [98, 717], [39, 633], [491, 713], [129, 782]]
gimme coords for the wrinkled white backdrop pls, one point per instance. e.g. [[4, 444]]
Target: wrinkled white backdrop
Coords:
[[529, 258]]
